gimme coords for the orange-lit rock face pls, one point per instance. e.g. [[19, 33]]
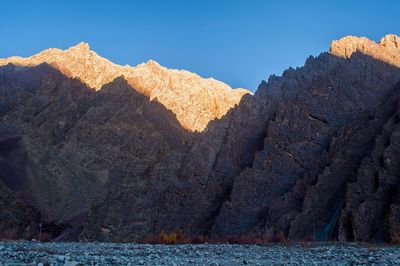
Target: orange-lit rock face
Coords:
[[387, 50], [194, 100]]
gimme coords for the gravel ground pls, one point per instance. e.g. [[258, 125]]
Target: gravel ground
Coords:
[[34, 253]]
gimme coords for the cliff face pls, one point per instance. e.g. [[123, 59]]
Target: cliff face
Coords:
[[312, 153], [321, 120]]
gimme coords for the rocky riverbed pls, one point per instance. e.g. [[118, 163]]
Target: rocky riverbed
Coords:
[[34, 253]]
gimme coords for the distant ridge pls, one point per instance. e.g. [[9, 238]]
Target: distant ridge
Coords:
[[194, 100]]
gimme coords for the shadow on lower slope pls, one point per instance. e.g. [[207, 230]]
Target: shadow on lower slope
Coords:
[[264, 171], [62, 144], [251, 173]]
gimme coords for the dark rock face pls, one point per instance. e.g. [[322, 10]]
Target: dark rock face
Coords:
[[371, 210], [314, 153], [63, 145], [314, 142], [17, 219]]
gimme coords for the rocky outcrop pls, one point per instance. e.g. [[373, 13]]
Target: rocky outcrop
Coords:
[[387, 50], [322, 122], [371, 207], [312, 154]]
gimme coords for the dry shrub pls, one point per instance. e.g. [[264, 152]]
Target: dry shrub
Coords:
[[307, 242], [175, 237], [395, 240], [168, 238], [308, 239], [277, 238]]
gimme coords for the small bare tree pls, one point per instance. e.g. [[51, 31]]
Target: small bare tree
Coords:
[[40, 228]]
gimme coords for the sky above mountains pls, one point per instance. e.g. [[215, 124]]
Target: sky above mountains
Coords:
[[238, 42]]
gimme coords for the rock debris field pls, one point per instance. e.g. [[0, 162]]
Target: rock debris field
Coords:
[[94, 253]]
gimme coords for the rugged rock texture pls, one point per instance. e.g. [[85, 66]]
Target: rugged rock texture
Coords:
[[313, 153], [17, 219], [387, 50], [322, 120], [69, 141], [194, 100], [372, 206]]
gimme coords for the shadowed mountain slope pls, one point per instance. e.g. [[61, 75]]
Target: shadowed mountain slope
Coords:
[[68, 141], [311, 154], [320, 121]]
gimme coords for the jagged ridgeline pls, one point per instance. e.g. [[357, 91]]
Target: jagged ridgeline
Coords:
[[98, 151]]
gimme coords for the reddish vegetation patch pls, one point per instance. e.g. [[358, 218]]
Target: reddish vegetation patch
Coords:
[[308, 239], [177, 237]]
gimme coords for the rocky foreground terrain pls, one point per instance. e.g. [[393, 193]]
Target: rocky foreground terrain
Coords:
[[103, 152], [31, 253]]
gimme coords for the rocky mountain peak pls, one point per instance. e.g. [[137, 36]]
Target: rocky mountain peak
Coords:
[[391, 41], [387, 50], [152, 63], [83, 46], [81, 49], [346, 46]]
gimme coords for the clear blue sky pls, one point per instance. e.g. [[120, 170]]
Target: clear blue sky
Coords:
[[238, 42]]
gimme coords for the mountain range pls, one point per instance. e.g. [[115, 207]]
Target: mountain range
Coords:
[[97, 151]]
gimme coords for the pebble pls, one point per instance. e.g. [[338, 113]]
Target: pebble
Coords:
[[71, 263], [73, 254], [60, 258]]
